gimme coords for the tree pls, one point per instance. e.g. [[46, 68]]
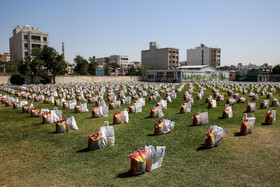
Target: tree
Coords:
[[131, 71], [81, 67], [276, 69], [114, 66], [12, 66], [141, 70], [30, 66], [106, 66], [92, 66], [52, 61]]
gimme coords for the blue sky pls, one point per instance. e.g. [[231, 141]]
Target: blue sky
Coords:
[[247, 31]]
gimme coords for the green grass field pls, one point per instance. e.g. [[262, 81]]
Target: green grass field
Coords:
[[33, 154]]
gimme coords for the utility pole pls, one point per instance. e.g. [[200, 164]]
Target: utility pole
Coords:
[[63, 50]]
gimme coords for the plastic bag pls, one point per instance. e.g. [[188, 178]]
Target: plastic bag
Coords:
[[264, 104], [95, 141], [125, 117], [275, 102], [218, 133], [251, 107], [155, 156], [117, 118], [128, 100], [203, 118], [61, 126], [270, 117], [138, 162], [212, 104], [71, 123], [251, 122], [84, 107], [108, 135], [56, 115], [72, 104]]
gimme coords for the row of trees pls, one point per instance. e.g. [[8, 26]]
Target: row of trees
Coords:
[[88, 67], [45, 62]]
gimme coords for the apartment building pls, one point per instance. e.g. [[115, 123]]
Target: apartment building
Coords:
[[25, 39], [160, 58], [203, 55], [113, 58]]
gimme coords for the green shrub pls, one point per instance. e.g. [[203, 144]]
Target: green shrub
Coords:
[[46, 79], [17, 79]]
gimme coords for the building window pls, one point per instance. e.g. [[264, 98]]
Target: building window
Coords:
[[202, 51], [25, 53], [25, 37], [36, 37], [26, 45], [45, 39], [36, 45]]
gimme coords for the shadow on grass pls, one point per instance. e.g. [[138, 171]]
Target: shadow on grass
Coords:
[[201, 148], [151, 135], [237, 134], [127, 175], [264, 124], [85, 150]]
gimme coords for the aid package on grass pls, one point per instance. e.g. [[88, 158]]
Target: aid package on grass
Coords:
[[120, 117], [227, 112], [156, 112], [247, 124], [138, 162], [164, 126], [105, 137], [214, 136], [185, 107], [251, 107], [264, 104], [200, 118], [155, 156], [270, 117]]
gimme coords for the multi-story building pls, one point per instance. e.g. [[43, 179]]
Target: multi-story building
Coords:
[[113, 58], [160, 58], [203, 55], [25, 39], [5, 57]]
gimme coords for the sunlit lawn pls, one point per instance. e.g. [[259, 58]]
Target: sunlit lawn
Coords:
[[32, 154]]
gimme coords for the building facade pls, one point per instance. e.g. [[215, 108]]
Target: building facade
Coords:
[[160, 58], [25, 39], [5, 57], [191, 73], [203, 55], [113, 58]]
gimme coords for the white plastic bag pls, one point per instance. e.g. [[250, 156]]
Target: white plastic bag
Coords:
[[72, 104], [56, 115], [127, 100], [218, 133], [163, 104], [203, 118], [108, 135], [251, 122], [21, 103], [84, 107], [52, 99], [155, 156], [168, 125], [104, 110], [230, 113], [142, 101], [125, 117], [71, 123], [44, 111]]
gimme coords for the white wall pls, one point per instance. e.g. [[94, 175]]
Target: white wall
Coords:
[[194, 56]]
